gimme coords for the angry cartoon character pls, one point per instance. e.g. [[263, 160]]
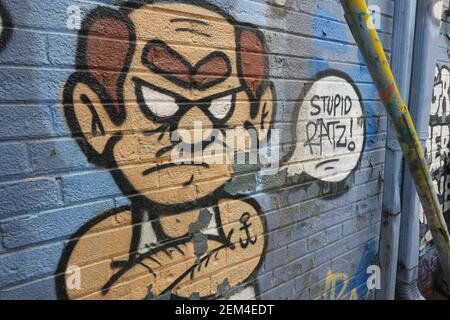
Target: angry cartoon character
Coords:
[[145, 72]]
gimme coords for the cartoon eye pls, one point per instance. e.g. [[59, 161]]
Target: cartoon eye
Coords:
[[220, 108], [161, 105]]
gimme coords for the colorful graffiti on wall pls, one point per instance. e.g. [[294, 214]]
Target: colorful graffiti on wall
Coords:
[[437, 146], [5, 26], [330, 129], [437, 152], [148, 71], [429, 269], [125, 100], [340, 285]]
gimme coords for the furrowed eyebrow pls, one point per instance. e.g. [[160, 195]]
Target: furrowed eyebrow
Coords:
[[175, 20], [193, 31], [141, 82]]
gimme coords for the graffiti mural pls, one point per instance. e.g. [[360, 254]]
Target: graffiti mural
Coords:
[[429, 269], [340, 285], [123, 103], [5, 26], [437, 152], [330, 129], [437, 147]]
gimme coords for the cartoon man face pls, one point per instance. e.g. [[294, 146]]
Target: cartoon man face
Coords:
[[154, 71]]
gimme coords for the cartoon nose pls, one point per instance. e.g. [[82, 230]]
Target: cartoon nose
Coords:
[[197, 123]]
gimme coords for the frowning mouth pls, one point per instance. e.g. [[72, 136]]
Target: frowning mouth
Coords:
[[170, 165], [324, 163]]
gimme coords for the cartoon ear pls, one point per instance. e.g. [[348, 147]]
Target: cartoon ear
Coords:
[[252, 64], [262, 122], [87, 116], [105, 50]]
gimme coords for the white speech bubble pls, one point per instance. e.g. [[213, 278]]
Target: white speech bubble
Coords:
[[329, 130]]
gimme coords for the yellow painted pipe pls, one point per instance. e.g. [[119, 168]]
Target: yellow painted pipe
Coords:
[[360, 22]]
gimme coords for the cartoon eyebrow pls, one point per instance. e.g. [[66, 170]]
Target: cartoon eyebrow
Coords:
[[209, 71], [193, 31], [175, 20]]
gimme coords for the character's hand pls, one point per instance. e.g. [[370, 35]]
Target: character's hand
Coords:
[[175, 269], [228, 262]]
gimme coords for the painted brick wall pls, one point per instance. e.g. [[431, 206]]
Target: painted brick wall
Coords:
[[84, 114], [437, 153]]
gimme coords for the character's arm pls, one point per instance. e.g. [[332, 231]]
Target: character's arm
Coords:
[[174, 268], [88, 258]]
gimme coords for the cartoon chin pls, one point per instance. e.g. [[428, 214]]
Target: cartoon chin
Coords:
[[192, 183]]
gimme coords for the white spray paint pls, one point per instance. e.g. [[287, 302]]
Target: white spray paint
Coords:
[[329, 131]]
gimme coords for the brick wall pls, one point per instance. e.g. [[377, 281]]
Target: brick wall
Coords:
[[89, 207], [437, 147]]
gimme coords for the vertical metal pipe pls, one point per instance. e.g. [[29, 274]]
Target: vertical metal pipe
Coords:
[[424, 60], [401, 61], [366, 36]]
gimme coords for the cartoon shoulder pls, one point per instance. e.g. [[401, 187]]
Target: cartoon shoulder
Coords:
[[86, 264]]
